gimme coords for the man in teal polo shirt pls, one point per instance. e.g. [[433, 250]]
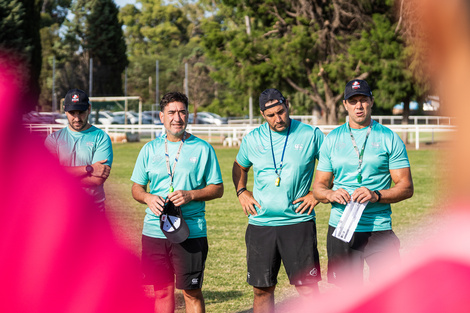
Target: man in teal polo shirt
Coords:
[[181, 168], [85, 151], [281, 225], [358, 162]]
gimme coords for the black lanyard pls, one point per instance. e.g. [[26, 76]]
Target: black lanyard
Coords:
[[278, 173], [360, 155]]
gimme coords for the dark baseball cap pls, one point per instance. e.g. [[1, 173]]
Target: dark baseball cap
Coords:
[[172, 223], [357, 87], [76, 99], [270, 95]]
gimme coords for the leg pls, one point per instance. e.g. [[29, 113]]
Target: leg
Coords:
[[346, 260], [194, 301], [263, 299], [165, 299], [382, 254], [307, 294]]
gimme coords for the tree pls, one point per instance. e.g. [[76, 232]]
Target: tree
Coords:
[[156, 31], [104, 42], [53, 15], [19, 34], [296, 45]]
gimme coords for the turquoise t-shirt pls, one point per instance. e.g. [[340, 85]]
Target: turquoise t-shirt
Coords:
[[384, 151], [302, 149], [197, 167], [82, 148]]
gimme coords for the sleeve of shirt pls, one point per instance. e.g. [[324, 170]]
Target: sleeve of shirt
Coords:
[[324, 162], [319, 137], [398, 155], [104, 150], [242, 156], [140, 174], [51, 144], [212, 172]]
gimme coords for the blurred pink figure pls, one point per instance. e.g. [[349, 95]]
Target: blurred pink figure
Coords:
[[56, 254]]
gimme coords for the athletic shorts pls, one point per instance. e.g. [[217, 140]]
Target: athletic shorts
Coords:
[[380, 249], [163, 260], [295, 245]]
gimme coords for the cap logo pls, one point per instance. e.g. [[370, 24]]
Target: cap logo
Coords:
[[356, 85], [75, 98]]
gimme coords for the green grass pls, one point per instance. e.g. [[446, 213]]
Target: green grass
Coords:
[[225, 288]]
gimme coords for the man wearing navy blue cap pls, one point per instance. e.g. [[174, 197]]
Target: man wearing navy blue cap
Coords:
[[281, 224], [358, 162], [83, 149]]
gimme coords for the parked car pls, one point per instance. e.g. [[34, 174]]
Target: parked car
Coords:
[[154, 116], [207, 118], [34, 117], [114, 119], [133, 117], [102, 119]]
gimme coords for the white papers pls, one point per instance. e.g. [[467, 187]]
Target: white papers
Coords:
[[348, 222]]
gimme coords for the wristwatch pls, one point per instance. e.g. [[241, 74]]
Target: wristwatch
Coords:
[[89, 170], [378, 195]]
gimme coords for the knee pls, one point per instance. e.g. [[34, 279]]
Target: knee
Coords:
[[263, 291], [164, 293], [193, 294]]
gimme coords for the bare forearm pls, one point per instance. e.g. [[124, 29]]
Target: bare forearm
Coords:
[[321, 193], [239, 176], [396, 194], [207, 193], [139, 193]]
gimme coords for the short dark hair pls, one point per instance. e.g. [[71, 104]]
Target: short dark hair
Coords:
[[173, 96]]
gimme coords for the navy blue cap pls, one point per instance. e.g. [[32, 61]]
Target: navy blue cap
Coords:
[[357, 87], [76, 99], [270, 95]]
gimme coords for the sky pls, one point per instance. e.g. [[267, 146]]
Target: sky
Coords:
[[122, 3]]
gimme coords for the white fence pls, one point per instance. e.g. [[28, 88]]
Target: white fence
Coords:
[[231, 135], [382, 119]]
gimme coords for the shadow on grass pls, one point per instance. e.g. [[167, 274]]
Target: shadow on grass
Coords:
[[220, 296]]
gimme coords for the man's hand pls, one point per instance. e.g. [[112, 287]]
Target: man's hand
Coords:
[[100, 169], [155, 203], [340, 196], [308, 202], [180, 197], [248, 203], [363, 194]]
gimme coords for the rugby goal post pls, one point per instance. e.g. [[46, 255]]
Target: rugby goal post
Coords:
[[114, 99], [126, 104]]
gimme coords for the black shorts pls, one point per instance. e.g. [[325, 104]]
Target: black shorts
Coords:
[[380, 249], [162, 261], [295, 245]]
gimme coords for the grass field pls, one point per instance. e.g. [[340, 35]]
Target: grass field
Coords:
[[225, 288]]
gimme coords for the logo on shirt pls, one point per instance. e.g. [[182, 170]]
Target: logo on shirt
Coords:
[[195, 281], [90, 143], [156, 158], [260, 148], [298, 146], [340, 145], [375, 145], [193, 159]]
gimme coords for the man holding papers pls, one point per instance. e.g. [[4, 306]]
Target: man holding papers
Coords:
[[358, 162]]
